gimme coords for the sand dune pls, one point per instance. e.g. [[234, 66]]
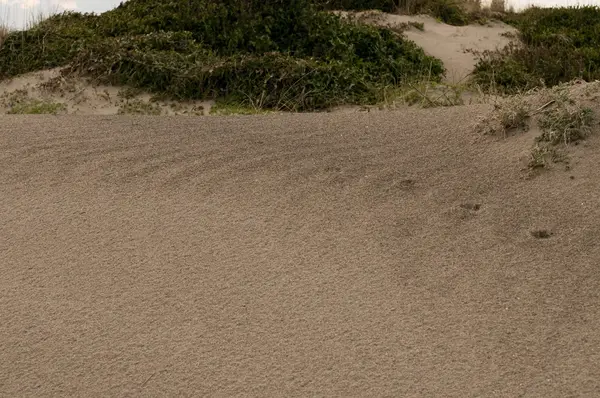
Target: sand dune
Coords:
[[352, 255]]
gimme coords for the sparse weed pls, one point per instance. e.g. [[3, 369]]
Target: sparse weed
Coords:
[[36, 107], [424, 94], [223, 108], [565, 125], [539, 157], [510, 114], [543, 155], [417, 25], [562, 121], [139, 107], [19, 102], [128, 93]]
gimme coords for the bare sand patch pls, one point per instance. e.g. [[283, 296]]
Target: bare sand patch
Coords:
[[397, 253]]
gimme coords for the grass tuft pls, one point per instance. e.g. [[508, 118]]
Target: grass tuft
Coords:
[[562, 121], [510, 115], [566, 125]]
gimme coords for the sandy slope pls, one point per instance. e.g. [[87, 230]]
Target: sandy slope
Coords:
[[83, 96], [454, 45], [351, 255]]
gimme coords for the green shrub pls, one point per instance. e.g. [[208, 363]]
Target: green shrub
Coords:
[[285, 55], [451, 12], [558, 45], [448, 11]]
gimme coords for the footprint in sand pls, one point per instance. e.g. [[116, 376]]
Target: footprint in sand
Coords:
[[464, 211]]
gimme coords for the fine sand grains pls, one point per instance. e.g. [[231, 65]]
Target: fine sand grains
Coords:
[[342, 254]]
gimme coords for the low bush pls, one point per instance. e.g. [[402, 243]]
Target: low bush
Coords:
[[274, 54], [556, 45]]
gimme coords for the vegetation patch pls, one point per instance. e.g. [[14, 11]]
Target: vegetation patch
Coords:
[[510, 115], [428, 95], [139, 107], [452, 12], [3, 34], [224, 108], [19, 103], [565, 125], [37, 107], [273, 54], [555, 45]]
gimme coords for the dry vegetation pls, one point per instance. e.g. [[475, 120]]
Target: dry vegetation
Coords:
[[561, 116]]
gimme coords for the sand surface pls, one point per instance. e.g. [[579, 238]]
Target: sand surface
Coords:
[[77, 95], [380, 254]]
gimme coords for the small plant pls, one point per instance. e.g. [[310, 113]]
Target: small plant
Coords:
[[417, 25], [565, 125], [139, 107], [514, 114], [511, 114], [37, 107]]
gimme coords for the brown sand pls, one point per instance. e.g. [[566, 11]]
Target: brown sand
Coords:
[[83, 96], [293, 255]]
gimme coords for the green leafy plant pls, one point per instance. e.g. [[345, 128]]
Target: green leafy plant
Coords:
[[273, 54], [555, 45]]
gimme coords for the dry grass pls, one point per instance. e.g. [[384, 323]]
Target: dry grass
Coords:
[[562, 114], [511, 114], [567, 123]]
